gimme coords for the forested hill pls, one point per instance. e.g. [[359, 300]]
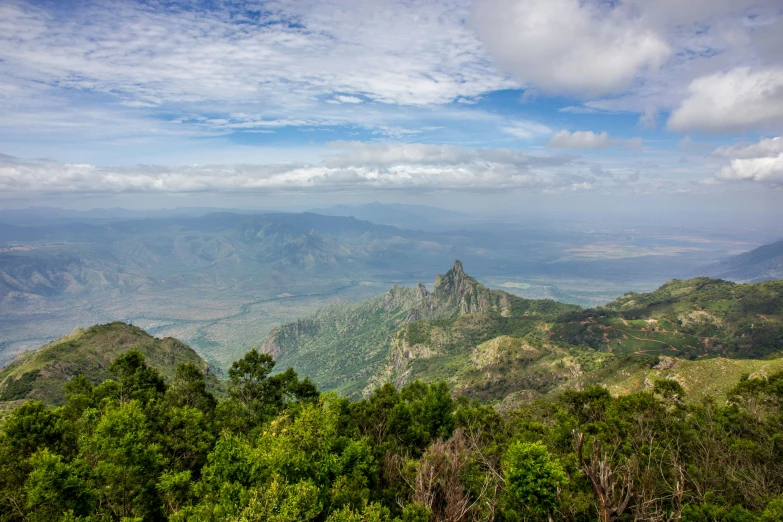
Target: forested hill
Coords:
[[139, 447], [43, 374], [694, 318]]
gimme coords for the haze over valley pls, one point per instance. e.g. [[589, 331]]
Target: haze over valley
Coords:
[[220, 281]]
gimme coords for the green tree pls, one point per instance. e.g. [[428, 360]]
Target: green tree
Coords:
[[249, 377], [137, 380], [189, 388], [533, 477], [368, 513], [55, 487], [125, 463]]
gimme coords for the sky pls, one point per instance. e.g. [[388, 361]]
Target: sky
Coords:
[[487, 104]]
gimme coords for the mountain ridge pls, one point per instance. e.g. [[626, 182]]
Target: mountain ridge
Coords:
[[489, 344], [764, 263], [42, 374], [313, 344]]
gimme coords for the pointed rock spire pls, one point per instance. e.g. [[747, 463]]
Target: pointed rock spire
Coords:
[[421, 291]]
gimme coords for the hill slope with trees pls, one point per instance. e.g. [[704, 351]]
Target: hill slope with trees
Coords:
[[140, 447]]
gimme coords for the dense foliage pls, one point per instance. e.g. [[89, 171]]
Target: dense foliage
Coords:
[[138, 447]]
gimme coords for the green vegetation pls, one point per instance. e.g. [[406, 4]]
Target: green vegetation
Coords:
[[139, 446], [493, 346], [345, 348], [477, 405], [44, 373], [689, 319], [341, 346]]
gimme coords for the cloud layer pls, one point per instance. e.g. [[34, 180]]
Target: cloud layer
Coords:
[[292, 53], [358, 167]]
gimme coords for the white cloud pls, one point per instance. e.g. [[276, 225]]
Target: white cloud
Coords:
[[526, 129], [578, 109], [390, 154], [760, 162], [340, 98], [580, 140], [768, 170], [360, 166], [569, 46], [391, 51], [733, 101], [764, 148]]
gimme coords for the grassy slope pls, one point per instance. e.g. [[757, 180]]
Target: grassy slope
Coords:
[[701, 379], [42, 374], [689, 319]]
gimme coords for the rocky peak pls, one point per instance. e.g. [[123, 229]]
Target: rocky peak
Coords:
[[454, 282], [421, 291], [457, 289]]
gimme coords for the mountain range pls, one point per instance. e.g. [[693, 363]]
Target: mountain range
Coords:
[[493, 345], [220, 281], [485, 344]]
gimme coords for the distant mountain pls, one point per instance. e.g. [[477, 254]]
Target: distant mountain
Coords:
[[346, 347], [42, 374], [221, 281], [126, 255], [41, 216], [413, 217], [762, 264], [182, 275]]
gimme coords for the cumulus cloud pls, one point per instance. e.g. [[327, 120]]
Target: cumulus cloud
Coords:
[[760, 162], [732, 101], [765, 147], [569, 46]]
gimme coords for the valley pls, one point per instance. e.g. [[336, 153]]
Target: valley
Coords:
[[222, 281]]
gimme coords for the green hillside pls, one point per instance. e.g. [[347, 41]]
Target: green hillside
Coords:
[[346, 347], [688, 319], [494, 346], [42, 374], [341, 346], [704, 333]]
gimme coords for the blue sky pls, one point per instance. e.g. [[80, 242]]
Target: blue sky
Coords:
[[458, 100]]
